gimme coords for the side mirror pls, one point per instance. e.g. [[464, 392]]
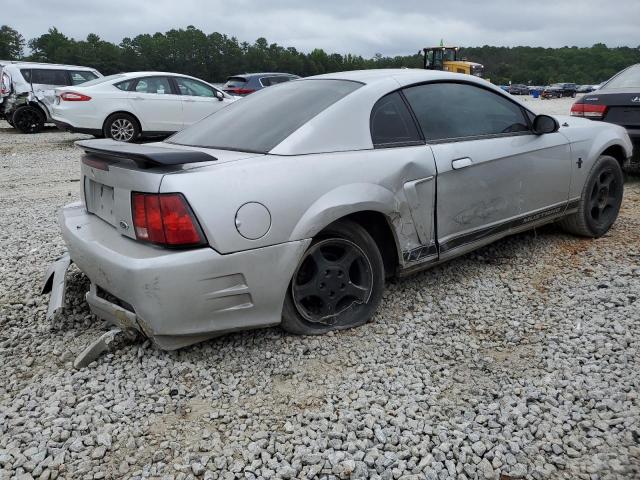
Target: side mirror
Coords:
[[219, 95], [545, 124]]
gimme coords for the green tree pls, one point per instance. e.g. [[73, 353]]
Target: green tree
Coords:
[[11, 43]]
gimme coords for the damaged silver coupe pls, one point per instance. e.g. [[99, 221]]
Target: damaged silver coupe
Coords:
[[27, 91], [293, 205]]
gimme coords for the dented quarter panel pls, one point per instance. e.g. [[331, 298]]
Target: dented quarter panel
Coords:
[[305, 193]]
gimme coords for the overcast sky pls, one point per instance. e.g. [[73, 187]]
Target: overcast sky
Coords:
[[345, 26]]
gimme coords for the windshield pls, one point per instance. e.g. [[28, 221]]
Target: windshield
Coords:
[[102, 80], [261, 121], [629, 78]]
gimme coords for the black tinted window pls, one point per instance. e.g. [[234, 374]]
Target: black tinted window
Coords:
[[391, 122], [45, 76], [457, 110], [262, 120]]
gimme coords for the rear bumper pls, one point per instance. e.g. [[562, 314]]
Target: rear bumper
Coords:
[[177, 297]]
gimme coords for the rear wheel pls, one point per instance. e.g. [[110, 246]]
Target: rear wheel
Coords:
[[600, 201], [121, 127], [28, 119], [338, 283]]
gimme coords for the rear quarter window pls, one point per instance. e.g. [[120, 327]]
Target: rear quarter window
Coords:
[[79, 76], [392, 124]]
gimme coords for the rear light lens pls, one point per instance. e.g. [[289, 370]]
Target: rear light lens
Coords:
[[5, 84], [165, 219], [240, 91], [74, 97], [589, 111]]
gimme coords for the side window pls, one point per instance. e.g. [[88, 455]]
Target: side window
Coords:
[[265, 81], [391, 123], [126, 85], [458, 110], [187, 86], [46, 76], [279, 79], [78, 77], [157, 85]]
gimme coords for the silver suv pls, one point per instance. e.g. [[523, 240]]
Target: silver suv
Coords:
[[27, 90]]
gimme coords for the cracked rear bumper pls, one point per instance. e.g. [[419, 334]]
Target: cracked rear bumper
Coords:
[[177, 297]]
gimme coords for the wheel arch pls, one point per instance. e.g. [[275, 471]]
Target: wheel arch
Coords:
[[135, 117], [369, 205], [616, 151]]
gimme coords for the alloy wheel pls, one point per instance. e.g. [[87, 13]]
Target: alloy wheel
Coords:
[[28, 121], [604, 197], [122, 130], [334, 276]]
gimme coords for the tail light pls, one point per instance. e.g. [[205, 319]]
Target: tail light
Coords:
[[240, 91], [5, 84], [589, 111], [74, 97], [165, 219]]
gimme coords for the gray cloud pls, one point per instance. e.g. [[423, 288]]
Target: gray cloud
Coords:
[[358, 26]]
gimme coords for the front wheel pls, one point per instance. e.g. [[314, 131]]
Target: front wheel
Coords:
[[600, 201], [338, 283]]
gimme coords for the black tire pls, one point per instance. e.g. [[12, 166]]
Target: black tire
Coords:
[[122, 127], [600, 200], [28, 119], [309, 307]]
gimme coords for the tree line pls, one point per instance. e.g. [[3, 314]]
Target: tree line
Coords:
[[216, 56]]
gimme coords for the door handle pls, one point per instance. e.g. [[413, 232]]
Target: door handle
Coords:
[[138, 98], [188, 100], [461, 163]]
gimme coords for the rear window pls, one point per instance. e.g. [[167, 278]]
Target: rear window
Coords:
[[235, 82], [264, 119], [44, 76], [629, 78], [100, 80]]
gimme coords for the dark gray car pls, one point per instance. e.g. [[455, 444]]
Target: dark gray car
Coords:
[[250, 82]]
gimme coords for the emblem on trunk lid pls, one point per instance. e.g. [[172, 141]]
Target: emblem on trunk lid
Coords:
[[636, 99]]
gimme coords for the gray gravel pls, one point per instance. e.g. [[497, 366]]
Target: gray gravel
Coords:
[[521, 359]]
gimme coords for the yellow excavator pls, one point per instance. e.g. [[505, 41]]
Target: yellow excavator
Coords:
[[446, 58]]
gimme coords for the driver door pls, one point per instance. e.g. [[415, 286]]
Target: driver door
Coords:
[[494, 174]]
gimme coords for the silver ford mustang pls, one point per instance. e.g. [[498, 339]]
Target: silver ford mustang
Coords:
[[292, 205]]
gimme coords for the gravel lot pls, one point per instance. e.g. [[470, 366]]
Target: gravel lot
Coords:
[[521, 360]]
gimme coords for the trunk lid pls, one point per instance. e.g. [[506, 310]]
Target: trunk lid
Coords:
[[623, 106], [111, 171]]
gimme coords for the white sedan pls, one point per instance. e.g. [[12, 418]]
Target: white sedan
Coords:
[[127, 106]]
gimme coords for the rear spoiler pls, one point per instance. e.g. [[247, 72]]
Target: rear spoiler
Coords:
[[144, 156]]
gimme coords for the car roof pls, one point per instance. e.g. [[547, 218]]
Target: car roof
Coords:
[[404, 76], [53, 66], [261, 74], [346, 122]]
